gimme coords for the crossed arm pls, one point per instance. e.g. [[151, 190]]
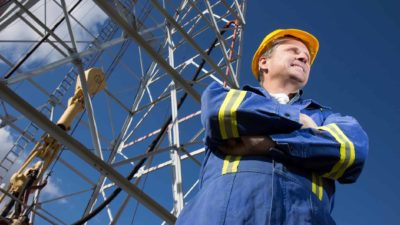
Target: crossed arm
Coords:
[[257, 145], [244, 123]]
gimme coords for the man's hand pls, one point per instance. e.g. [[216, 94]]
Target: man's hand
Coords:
[[307, 122], [252, 145]]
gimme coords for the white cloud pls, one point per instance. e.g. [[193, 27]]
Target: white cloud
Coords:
[[7, 142], [87, 13], [53, 190]]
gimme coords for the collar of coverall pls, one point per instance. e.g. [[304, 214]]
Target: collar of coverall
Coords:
[[305, 103]]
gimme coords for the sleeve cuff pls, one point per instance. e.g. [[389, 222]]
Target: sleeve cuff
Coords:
[[283, 143]]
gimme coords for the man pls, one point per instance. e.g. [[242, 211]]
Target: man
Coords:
[[273, 157]]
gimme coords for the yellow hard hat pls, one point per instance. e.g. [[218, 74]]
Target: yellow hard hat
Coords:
[[309, 40]]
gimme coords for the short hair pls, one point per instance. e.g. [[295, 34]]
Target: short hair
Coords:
[[268, 52]]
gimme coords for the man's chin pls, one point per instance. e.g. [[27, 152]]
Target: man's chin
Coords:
[[297, 86], [299, 79]]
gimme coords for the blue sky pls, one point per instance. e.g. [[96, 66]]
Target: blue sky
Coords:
[[356, 73]]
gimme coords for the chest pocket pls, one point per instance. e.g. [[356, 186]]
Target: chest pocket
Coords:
[[315, 114]]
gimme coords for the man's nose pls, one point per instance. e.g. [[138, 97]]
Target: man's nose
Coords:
[[302, 57]]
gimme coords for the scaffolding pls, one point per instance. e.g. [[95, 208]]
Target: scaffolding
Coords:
[[134, 154]]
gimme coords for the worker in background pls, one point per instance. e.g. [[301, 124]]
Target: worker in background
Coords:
[[273, 157]]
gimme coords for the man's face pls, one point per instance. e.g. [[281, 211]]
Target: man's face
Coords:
[[289, 63]]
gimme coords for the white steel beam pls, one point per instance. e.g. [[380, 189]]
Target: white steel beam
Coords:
[[222, 44], [174, 136], [11, 16], [28, 74], [168, 163], [40, 23], [239, 15], [87, 100]]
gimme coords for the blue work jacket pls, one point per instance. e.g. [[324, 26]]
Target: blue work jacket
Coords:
[[294, 184]]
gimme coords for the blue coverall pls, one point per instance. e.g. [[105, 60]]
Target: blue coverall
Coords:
[[295, 183]]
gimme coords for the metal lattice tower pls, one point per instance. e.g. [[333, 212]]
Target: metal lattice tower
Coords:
[[138, 145]]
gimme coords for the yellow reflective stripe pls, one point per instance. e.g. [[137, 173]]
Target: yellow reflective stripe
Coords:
[[226, 163], [351, 154], [236, 104], [314, 183], [221, 115], [320, 187], [231, 164], [347, 151], [227, 114], [235, 164], [338, 164], [317, 186]]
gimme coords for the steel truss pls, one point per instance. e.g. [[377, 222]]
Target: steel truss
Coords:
[[137, 147]]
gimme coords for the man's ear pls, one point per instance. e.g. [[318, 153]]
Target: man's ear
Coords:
[[263, 63]]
